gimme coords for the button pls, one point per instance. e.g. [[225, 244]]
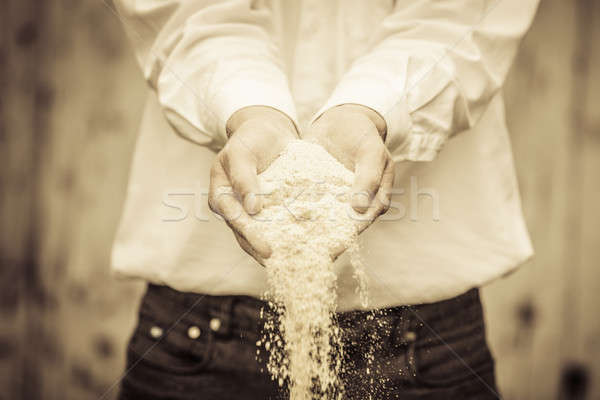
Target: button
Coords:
[[156, 332], [194, 332], [215, 324], [409, 336]]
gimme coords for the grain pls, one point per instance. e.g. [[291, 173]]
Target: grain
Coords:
[[306, 218]]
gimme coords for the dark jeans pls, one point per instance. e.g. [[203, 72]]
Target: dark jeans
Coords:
[[190, 346]]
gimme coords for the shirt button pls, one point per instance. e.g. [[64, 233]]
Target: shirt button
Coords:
[[215, 324], [156, 332], [193, 332]]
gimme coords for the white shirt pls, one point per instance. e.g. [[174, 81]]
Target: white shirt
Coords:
[[434, 71]]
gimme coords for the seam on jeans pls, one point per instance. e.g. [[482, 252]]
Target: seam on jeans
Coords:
[[451, 335], [171, 345], [165, 367]]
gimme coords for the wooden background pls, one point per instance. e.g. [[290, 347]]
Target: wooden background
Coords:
[[70, 100]]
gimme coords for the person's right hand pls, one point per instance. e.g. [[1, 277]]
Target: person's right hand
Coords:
[[354, 135], [257, 135]]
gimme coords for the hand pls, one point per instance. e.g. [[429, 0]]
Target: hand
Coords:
[[257, 135], [354, 135]]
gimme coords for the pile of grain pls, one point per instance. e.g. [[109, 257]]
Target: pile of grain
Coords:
[[306, 218]]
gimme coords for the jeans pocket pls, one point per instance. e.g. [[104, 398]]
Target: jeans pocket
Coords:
[[440, 362], [165, 347]]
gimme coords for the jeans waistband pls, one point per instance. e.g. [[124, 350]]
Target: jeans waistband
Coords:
[[243, 313], [234, 313]]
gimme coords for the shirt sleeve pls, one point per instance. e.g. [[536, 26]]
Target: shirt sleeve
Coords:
[[207, 59], [433, 68]]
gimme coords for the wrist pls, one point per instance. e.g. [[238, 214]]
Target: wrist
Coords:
[[351, 108], [270, 118]]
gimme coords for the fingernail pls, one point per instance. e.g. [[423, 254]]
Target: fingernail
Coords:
[[252, 204], [361, 201], [385, 200]]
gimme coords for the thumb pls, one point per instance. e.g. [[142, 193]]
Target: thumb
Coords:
[[241, 169], [368, 171]]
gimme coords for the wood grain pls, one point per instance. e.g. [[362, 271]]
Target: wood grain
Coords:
[[71, 98]]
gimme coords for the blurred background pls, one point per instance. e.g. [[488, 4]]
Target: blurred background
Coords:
[[70, 101]]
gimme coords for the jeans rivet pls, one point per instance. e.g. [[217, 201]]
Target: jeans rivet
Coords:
[[156, 332], [215, 324], [193, 332], [409, 336]]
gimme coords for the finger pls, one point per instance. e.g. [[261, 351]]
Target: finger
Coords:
[[368, 218], [368, 171], [249, 249], [384, 194], [240, 166], [224, 202], [337, 251], [382, 200], [218, 186]]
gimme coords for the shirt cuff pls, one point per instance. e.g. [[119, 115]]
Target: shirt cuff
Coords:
[[404, 142], [419, 147], [235, 96]]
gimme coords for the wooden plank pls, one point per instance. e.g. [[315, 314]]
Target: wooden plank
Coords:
[[22, 294], [582, 329], [71, 100], [98, 95], [524, 310]]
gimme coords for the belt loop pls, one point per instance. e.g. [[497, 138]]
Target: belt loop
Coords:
[[407, 317]]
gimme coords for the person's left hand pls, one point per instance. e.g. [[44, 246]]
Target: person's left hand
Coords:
[[354, 135], [257, 135]]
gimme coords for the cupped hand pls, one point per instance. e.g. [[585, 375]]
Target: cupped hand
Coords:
[[354, 135], [257, 135]]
